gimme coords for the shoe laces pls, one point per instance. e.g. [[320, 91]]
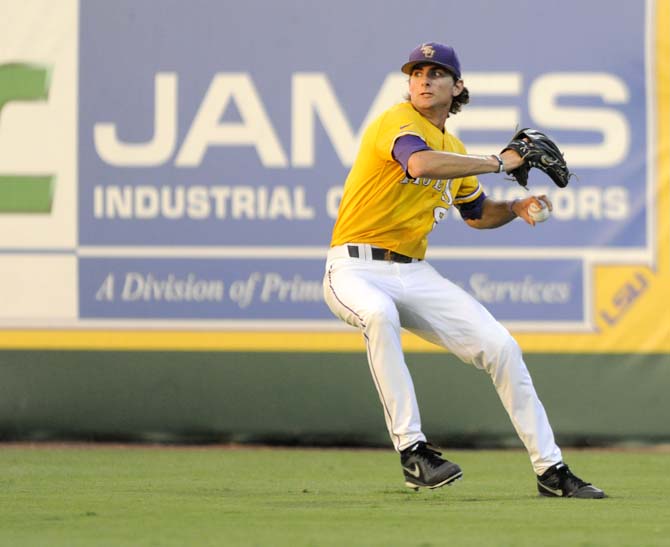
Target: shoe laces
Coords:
[[429, 453], [570, 477]]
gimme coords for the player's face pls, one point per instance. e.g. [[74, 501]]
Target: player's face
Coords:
[[431, 87]]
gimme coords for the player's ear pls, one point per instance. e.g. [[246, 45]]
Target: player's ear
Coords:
[[458, 88]]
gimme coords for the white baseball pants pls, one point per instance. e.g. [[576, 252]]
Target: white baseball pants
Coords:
[[381, 297]]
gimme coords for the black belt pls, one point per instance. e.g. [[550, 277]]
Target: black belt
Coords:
[[381, 254]]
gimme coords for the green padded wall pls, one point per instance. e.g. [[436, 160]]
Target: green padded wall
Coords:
[[315, 398]]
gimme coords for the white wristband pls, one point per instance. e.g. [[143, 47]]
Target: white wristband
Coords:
[[501, 165]]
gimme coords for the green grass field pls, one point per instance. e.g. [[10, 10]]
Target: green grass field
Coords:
[[53, 495]]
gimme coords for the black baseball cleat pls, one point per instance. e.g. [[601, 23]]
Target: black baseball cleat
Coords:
[[424, 468], [558, 481]]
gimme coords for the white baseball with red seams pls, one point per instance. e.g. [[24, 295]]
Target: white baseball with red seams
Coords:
[[538, 213]]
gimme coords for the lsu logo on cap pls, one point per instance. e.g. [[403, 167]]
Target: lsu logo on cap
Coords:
[[428, 51]]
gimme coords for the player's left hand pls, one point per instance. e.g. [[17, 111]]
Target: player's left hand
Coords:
[[537, 151], [520, 207]]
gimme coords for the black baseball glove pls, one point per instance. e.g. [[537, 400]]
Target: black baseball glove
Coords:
[[541, 152]]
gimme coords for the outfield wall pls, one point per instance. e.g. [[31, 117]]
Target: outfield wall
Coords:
[[170, 174], [308, 398]]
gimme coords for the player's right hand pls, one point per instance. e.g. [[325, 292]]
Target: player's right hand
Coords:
[[520, 207]]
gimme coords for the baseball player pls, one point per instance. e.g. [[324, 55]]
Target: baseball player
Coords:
[[408, 173]]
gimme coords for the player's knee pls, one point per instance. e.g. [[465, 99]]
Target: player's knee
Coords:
[[499, 351], [380, 313], [509, 348]]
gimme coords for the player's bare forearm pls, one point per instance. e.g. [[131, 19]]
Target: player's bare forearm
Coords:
[[498, 213], [435, 164]]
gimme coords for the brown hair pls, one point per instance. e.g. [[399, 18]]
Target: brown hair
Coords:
[[459, 101]]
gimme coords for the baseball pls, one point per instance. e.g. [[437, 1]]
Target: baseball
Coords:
[[538, 213]]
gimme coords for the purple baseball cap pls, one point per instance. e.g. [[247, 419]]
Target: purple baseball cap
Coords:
[[436, 54]]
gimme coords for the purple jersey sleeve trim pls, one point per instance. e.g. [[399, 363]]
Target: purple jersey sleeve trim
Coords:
[[469, 197], [405, 146], [472, 209]]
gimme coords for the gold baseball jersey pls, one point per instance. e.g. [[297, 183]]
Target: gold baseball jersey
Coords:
[[381, 205]]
